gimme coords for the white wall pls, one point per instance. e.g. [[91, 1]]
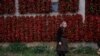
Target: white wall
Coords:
[[82, 8]]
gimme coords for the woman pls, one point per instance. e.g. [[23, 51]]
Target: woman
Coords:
[[62, 46], [98, 44]]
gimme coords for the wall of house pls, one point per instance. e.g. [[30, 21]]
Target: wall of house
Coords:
[[75, 22], [80, 11]]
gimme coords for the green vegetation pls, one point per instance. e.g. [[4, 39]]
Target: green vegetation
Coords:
[[18, 49]]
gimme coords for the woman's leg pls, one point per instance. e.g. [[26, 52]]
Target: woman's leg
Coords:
[[59, 54], [63, 53]]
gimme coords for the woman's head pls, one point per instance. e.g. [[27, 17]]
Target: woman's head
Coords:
[[63, 24]]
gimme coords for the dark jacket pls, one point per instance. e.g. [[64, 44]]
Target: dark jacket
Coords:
[[98, 44], [61, 38], [59, 34]]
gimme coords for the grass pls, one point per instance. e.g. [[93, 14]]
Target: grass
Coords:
[[18, 49]]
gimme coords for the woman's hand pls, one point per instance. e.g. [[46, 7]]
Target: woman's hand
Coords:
[[60, 43]]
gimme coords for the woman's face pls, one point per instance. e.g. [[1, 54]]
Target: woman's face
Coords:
[[64, 24]]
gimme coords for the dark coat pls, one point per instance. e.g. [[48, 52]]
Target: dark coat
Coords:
[[61, 38], [63, 46], [98, 44]]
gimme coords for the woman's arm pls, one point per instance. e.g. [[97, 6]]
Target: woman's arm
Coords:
[[59, 34]]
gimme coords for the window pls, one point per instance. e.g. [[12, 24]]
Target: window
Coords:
[[54, 6]]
